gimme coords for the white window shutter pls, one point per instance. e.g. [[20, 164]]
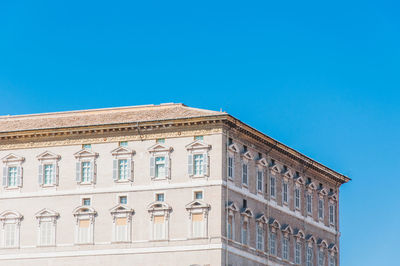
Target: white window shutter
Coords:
[[56, 174], [130, 168], [115, 169], [167, 167], [19, 176], [93, 171], [233, 167], [152, 167], [78, 172], [190, 164], [205, 164], [40, 174], [5, 170]]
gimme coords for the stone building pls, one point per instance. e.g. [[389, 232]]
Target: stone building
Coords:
[[160, 185]]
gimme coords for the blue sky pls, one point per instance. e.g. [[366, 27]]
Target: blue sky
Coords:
[[322, 77]]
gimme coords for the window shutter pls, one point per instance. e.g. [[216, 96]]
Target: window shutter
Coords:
[[93, 171], [130, 169], [190, 164], [19, 176], [78, 171], [167, 167], [5, 168], [152, 166], [233, 167], [56, 174], [40, 174], [115, 169], [205, 164]]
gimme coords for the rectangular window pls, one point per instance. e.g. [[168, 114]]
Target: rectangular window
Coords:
[[272, 243], [273, 187], [123, 200], [86, 202], [122, 169], [244, 174], [84, 231], [332, 214], [332, 260], [259, 180], [160, 197], [12, 176], [321, 209], [160, 167], [10, 235], [198, 137], [121, 229], [285, 197], [123, 143], [46, 233], [198, 160], [309, 258], [297, 198], [48, 174], [86, 146], [244, 233], [260, 237], [86, 172], [197, 224], [160, 140], [309, 203], [285, 248], [230, 167], [159, 227], [230, 227], [320, 258], [297, 253], [198, 195]]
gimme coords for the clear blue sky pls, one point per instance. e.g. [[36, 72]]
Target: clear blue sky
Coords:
[[322, 77]]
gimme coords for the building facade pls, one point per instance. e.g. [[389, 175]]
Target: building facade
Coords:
[[160, 185]]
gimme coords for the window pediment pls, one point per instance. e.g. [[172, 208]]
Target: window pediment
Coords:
[[288, 173], [122, 151], [232, 207], [198, 145], [246, 212], [13, 158], [121, 209], [299, 179], [311, 186], [84, 210], [197, 204], [286, 229], [44, 213], [158, 147], [322, 192], [310, 238], [84, 153], [262, 162], [332, 247], [275, 168], [248, 155], [10, 215], [158, 206], [333, 196], [274, 223], [298, 233], [322, 243], [233, 148], [260, 218], [47, 155]]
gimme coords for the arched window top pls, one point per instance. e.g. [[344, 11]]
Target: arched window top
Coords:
[[84, 210], [158, 206], [10, 214]]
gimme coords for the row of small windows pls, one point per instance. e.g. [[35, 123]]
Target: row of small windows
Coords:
[[270, 227], [122, 164], [85, 215]]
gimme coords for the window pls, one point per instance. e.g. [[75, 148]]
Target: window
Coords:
[[84, 224], [83, 231], [321, 209], [273, 187], [244, 174], [86, 172], [160, 197], [285, 197], [86, 202], [332, 214], [123, 144], [160, 167], [48, 174], [160, 140], [86, 146], [309, 203], [159, 212], [10, 235], [47, 227], [230, 227], [121, 223], [10, 226], [123, 169], [244, 232], [198, 195], [121, 229], [285, 248], [197, 224], [332, 260], [321, 258], [48, 169], [309, 258], [198, 164], [46, 233], [259, 180], [123, 199], [230, 167], [297, 198], [198, 137], [297, 253], [159, 227], [12, 176], [272, 243], [260, 236]]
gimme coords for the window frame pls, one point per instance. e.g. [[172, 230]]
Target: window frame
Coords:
[[47, 216], [11, 218], [9, 161], [121, 211]]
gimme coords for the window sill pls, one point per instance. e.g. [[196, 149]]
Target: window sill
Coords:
[[198, 176], [84, 244], [159, 178], [123, 181], [121, 242], [198, 238], [12, 188]]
